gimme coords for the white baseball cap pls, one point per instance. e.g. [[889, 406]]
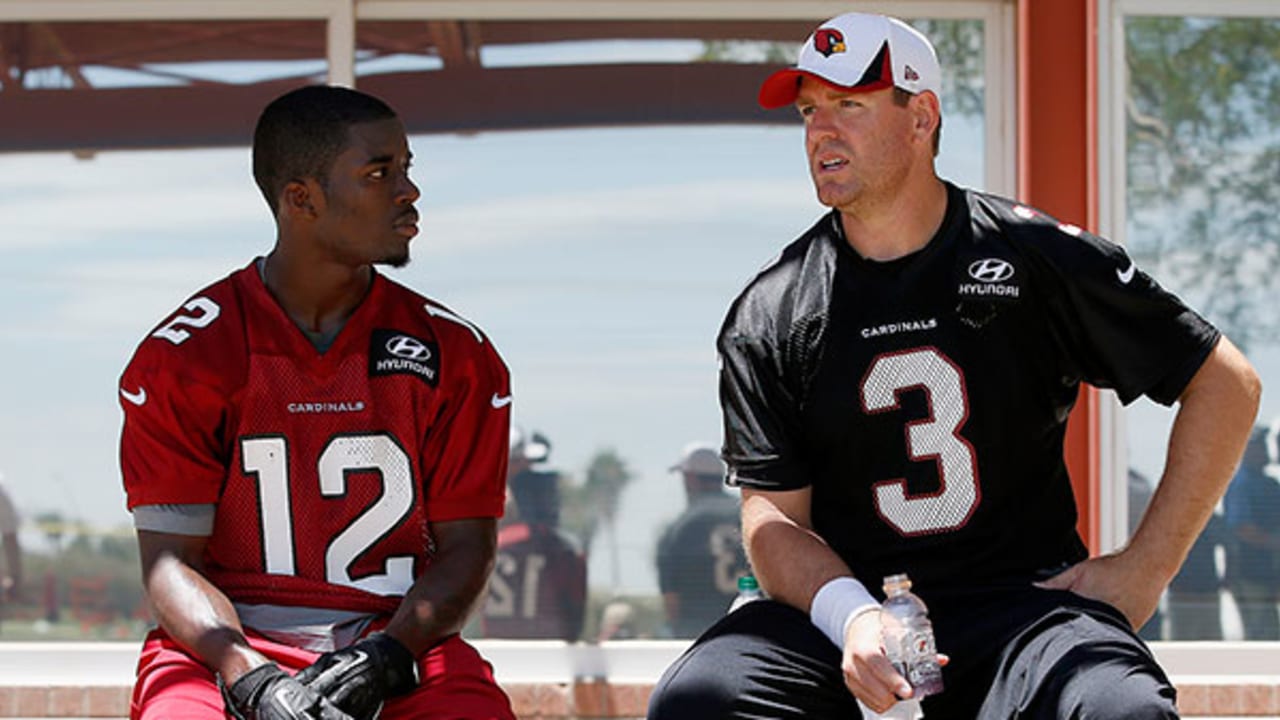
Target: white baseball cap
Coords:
[[699, 459], [535, 447], [862, 52]]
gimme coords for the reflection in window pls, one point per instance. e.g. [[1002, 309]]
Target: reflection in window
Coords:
[[600, 261], [1203, 144]]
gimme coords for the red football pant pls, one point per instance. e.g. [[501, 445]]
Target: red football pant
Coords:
[[456, 683]]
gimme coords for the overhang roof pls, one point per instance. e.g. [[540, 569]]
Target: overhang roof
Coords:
[[50, 100]]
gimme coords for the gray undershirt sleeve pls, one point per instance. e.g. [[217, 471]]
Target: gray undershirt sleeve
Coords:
[[194, 520]]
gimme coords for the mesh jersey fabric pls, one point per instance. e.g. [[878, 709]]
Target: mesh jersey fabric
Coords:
[[326, 468], [924, 400]]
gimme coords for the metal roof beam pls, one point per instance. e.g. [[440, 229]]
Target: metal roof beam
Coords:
[[461, 101]]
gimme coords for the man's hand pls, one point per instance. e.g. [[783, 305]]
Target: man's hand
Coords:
[[867, 671], [358, 678], [1118, 579], [269, 693]]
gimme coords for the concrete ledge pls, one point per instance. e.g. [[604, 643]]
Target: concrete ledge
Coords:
[[1248, 696], [531, 701], [583, 699], [611, 681], [64, 701]]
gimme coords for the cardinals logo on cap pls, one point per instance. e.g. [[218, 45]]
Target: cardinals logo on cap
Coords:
[[828, 41]]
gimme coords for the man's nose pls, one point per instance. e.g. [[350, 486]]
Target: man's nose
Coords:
[[408, 191], [821, 125]]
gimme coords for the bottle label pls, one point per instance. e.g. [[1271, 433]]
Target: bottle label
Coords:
[[917, 661]]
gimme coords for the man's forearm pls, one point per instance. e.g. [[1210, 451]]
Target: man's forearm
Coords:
[[791, 561], [450, 588], [1209, 432], [200, 618]]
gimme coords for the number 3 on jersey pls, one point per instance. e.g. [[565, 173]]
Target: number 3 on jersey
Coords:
[[936, 437]]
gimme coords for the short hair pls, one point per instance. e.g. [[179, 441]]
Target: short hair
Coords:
[[302, 132], [902, 98]]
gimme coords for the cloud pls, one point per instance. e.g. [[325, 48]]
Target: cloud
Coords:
[[56, 200], [545, 217]]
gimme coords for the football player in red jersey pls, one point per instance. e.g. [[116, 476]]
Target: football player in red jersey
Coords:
[[895, 388], [315, 455], [539, 585]]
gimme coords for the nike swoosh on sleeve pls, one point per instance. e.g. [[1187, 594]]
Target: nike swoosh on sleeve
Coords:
[[499, 402], [1126, 274], [137, 398]]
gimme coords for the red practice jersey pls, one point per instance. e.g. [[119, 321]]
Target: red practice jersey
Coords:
[[325, 468], [539, 585]]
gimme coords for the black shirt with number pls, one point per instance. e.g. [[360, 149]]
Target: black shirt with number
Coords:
[[924, 400], [700, 559]]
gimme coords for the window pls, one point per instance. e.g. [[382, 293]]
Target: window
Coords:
[[1195, 144], [599, 259]]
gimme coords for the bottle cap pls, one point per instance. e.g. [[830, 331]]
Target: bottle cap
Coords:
[[747, 583], [896, 582]]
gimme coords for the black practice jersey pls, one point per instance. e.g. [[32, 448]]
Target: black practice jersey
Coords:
[[925, 399], [700, 559]]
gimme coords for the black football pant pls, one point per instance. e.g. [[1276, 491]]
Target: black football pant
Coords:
[[1037, 659]]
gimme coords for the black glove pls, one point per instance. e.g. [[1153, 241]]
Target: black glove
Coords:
[[358, 678], [269, 693]]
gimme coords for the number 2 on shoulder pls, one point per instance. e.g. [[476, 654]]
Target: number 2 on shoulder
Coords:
[[200, 312]]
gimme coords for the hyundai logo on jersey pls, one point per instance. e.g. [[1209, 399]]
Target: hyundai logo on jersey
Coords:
[[392, 352], [408, 347], [990, 278], [990, 270]]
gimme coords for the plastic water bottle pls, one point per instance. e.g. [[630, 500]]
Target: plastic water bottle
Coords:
[[908, 637], [748, 591]]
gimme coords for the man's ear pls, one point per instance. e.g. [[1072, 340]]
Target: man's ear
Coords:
[[302, 199], [925, 113]]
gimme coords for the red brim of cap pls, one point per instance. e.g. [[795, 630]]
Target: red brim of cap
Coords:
[[781, 88]]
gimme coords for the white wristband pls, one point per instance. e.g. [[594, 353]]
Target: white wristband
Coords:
[[836, 604]]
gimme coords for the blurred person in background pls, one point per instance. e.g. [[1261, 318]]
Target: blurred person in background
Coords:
[[1253, 531], [617, 622], [1140, 490], [700, 555], [538, 589], [11, 580], [1194, 597]]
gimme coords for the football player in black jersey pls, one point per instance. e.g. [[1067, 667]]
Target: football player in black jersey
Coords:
[[895, 389], [699, 555]]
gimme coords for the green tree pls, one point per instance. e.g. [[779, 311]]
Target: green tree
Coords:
[[1203, 160]]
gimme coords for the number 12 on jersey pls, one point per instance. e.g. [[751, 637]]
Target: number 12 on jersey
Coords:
[[266, 459]]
